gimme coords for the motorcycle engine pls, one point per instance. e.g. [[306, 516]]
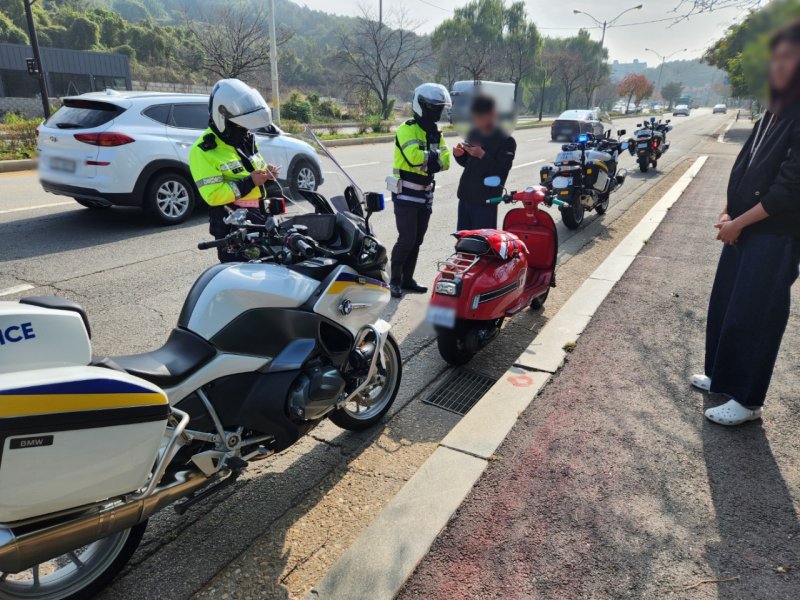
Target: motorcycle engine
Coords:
[[315, 392]]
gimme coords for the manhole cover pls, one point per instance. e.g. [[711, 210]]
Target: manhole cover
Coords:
[[459, 392]]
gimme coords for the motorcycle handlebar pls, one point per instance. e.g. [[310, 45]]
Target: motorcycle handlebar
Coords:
[[298, 245], [214, 244]]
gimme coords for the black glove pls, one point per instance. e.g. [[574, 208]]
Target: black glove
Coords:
[[434, 162]]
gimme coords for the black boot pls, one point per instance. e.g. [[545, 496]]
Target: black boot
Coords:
[[396, 277], [413, 287]]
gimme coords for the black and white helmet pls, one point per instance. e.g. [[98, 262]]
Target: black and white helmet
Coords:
[[430, 100], [235, 101]]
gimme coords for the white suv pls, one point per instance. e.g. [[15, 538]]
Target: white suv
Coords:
[[132, 149]]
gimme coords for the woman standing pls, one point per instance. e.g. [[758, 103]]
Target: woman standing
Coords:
[[760, 227]]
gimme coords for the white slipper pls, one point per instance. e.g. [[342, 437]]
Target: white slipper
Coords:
[[701, 382], [732, 413]]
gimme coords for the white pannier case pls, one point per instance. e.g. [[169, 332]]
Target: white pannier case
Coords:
[[70, 434]]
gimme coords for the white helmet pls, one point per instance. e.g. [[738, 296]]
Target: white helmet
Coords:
[[430, 99], [233, 100]]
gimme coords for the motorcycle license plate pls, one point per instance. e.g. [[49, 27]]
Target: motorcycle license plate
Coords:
[[643, 144], [562, 183], [442, 316]]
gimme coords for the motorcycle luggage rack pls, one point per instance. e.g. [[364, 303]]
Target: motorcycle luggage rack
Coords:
[[458, 263]]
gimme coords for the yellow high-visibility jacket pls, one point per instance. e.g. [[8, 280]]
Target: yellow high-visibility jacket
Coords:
[[412, 154], [217, 167]]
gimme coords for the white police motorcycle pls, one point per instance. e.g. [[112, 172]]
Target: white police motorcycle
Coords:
[[263, 351]]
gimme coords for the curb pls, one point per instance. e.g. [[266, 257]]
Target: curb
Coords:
[[12, 166], [386, 553], [382, 139]]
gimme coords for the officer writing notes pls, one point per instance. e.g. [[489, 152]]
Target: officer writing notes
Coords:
[[487, 152], [419, 153], [225, 163]]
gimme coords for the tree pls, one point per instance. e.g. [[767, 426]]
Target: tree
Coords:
[[233, 39], [694, 7], [521, 45], [10, 33], [671, 92], [473, 37], [546, 69], [636, 87], [83, 34], [375, 55]]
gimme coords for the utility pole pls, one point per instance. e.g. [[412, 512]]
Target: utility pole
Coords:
[[38, 69], [273, 62], [380, 12], [605, 25]]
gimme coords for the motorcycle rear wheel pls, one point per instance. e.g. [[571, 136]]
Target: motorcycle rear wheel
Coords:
[[572, 215], [453, 347], [539, 301], [602, 206], [378, 398], [76, 575], [644, 165]]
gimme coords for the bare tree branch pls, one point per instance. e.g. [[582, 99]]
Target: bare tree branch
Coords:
[[374, 55], [687, 8], [233, 38]]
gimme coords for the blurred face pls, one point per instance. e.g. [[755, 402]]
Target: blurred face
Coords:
[[784, 65], [485, 122]]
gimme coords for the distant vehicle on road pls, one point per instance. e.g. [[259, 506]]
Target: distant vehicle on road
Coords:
[[570, 124], [681, 110], [720, 108], [132, 149], [463, 92]]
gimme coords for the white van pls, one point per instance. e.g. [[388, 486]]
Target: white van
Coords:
[[464, 91]]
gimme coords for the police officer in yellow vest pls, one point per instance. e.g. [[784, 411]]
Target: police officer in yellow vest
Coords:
[[225, 163], [419, 153]]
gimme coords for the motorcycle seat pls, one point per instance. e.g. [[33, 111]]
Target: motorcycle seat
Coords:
[[473, 245], [183, 354], [59, 303]]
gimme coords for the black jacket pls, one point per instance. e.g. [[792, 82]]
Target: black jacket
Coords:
[[500, 149], [773, 176]]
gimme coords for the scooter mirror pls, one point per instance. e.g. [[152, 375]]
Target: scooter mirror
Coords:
[[492, 181]]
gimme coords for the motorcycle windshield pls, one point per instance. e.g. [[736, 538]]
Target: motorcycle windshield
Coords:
[[318, 183]]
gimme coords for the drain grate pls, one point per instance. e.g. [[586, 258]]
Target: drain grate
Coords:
[[460, 391]]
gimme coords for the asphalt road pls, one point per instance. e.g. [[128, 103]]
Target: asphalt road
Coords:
[[132, 277]]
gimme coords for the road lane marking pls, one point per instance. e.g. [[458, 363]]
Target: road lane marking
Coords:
[[535, 139], [16, 289], [528, 164], [366, 164], [721, 138], [38, 206]]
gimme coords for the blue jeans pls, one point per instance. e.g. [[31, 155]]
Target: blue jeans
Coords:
[[748, 313]]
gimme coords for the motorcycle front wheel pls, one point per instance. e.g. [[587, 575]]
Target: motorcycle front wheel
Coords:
[[76, 575], [374, 402], [572, 215]]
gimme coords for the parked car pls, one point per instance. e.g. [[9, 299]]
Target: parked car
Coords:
[[720, 108], [681, 110], [132, 149], [572, 123]]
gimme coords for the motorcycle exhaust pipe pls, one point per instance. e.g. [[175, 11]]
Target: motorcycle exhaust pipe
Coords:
[[25, 546]]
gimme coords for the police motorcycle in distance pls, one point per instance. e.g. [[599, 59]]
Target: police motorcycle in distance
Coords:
[[584, 175], [649, 143], [263, 351], [494, 274]]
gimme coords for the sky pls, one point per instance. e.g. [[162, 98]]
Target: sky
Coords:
[[555, 19]]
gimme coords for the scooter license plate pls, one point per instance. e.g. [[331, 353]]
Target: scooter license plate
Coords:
[[441, 316], [562, 183]]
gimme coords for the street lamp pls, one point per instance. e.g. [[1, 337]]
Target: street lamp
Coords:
[[605, 25], [273, 60], [663, 60]]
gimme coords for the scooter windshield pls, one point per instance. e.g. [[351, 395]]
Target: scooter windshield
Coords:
[[314, 181]]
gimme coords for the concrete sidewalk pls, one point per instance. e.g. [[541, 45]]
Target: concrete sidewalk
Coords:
[[612, 484]]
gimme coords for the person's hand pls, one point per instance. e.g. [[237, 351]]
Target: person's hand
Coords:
[[260, 176], [273, 172], [724, 218], [729, 231], [475, 151], [458, 150]]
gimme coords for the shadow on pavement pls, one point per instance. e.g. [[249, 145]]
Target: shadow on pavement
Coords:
[[77, 229], [755, 515]]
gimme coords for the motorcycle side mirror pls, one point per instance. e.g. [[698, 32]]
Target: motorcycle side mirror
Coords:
[[638, 124], [669, 120], [492, 181], [375, 202], [652, 119], [621, 132]]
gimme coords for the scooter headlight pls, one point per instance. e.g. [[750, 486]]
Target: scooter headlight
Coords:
[[448, 287]]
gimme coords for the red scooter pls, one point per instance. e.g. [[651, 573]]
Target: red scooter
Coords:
[[494, 274]]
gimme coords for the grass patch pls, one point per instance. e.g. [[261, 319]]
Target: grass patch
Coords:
[[18, 138]]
